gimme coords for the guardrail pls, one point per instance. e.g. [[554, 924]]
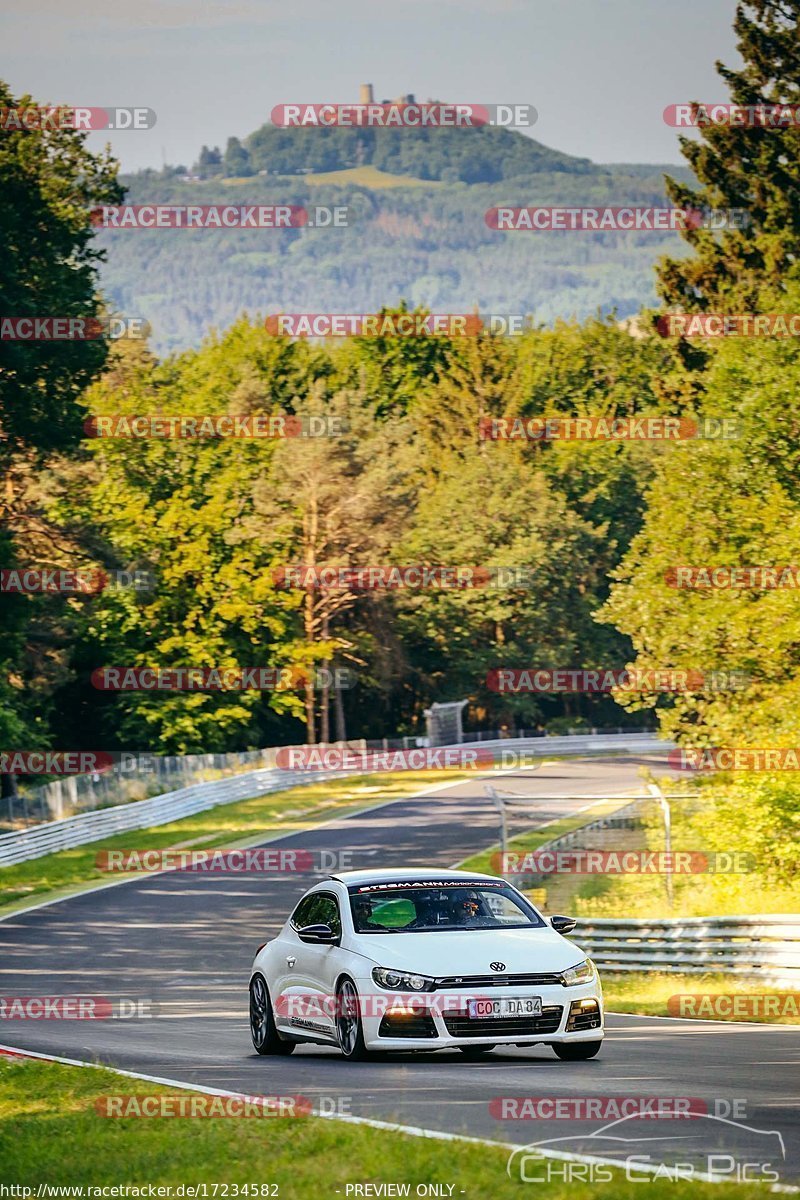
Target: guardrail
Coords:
[[641, 743], [767, 947], [141, 776], [51, 836]]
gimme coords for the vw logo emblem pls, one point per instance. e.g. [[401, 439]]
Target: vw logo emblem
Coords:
[[497, 966]]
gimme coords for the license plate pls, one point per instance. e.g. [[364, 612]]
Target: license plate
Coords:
[[506, 1006]]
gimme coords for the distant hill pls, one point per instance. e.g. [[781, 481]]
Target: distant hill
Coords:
[[481, 155], [647, 170], [426, 242]]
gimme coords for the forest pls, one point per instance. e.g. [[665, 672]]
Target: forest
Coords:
[[599, 524]]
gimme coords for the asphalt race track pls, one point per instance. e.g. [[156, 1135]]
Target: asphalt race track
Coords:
[[184, 942]]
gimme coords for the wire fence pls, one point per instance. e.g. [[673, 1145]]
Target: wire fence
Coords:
[[139, 776]]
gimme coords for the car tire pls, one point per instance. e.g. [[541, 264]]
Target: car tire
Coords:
[[349, 1030], [266, 1038], [475, 1051], [577, 1051]]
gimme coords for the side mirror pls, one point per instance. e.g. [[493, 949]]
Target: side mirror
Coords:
[[563, 924], [318, 935]]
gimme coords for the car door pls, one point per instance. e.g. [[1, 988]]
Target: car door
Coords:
[[311, 977], [283, 964]]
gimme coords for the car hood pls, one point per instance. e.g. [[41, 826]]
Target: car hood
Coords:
[[470, 952]]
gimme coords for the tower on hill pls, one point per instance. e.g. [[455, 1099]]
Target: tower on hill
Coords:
[[366, 95]]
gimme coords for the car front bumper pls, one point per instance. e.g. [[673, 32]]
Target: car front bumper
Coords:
[[438, 1020]]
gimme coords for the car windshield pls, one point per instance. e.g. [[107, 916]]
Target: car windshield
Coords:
[[432, 907]]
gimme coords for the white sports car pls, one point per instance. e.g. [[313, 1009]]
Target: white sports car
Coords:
[[423, 959]]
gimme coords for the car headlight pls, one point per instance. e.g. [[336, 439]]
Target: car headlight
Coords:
[[402, 980], [582, 972]]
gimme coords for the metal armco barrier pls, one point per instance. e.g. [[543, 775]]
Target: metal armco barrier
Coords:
[[51, 836], [763, 947]]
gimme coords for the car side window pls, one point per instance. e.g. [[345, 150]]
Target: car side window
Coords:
[[299, 918], [325, 911], [319, 909]]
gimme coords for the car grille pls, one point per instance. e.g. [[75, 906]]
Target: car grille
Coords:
[[461, 1026], [530, 980], [421, 1025]]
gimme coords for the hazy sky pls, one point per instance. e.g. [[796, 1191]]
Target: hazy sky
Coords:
[[600, 72]]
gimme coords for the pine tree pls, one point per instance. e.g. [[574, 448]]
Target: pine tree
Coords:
[[209, 163], [237, 160], [750, 166]]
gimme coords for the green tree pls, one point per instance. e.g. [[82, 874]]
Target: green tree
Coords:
[[494, 504], [209, 162], [49, 183], [748, 167], [237, 160], [732, 503], [394, 371], [168, 506], [331, 502]]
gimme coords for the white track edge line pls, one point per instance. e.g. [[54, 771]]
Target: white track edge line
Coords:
[[388, 1126]]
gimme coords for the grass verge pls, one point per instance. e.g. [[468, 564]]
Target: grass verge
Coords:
[[748, 836], [228, 825], [51, 1133], [649, 994], [703, 996]]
